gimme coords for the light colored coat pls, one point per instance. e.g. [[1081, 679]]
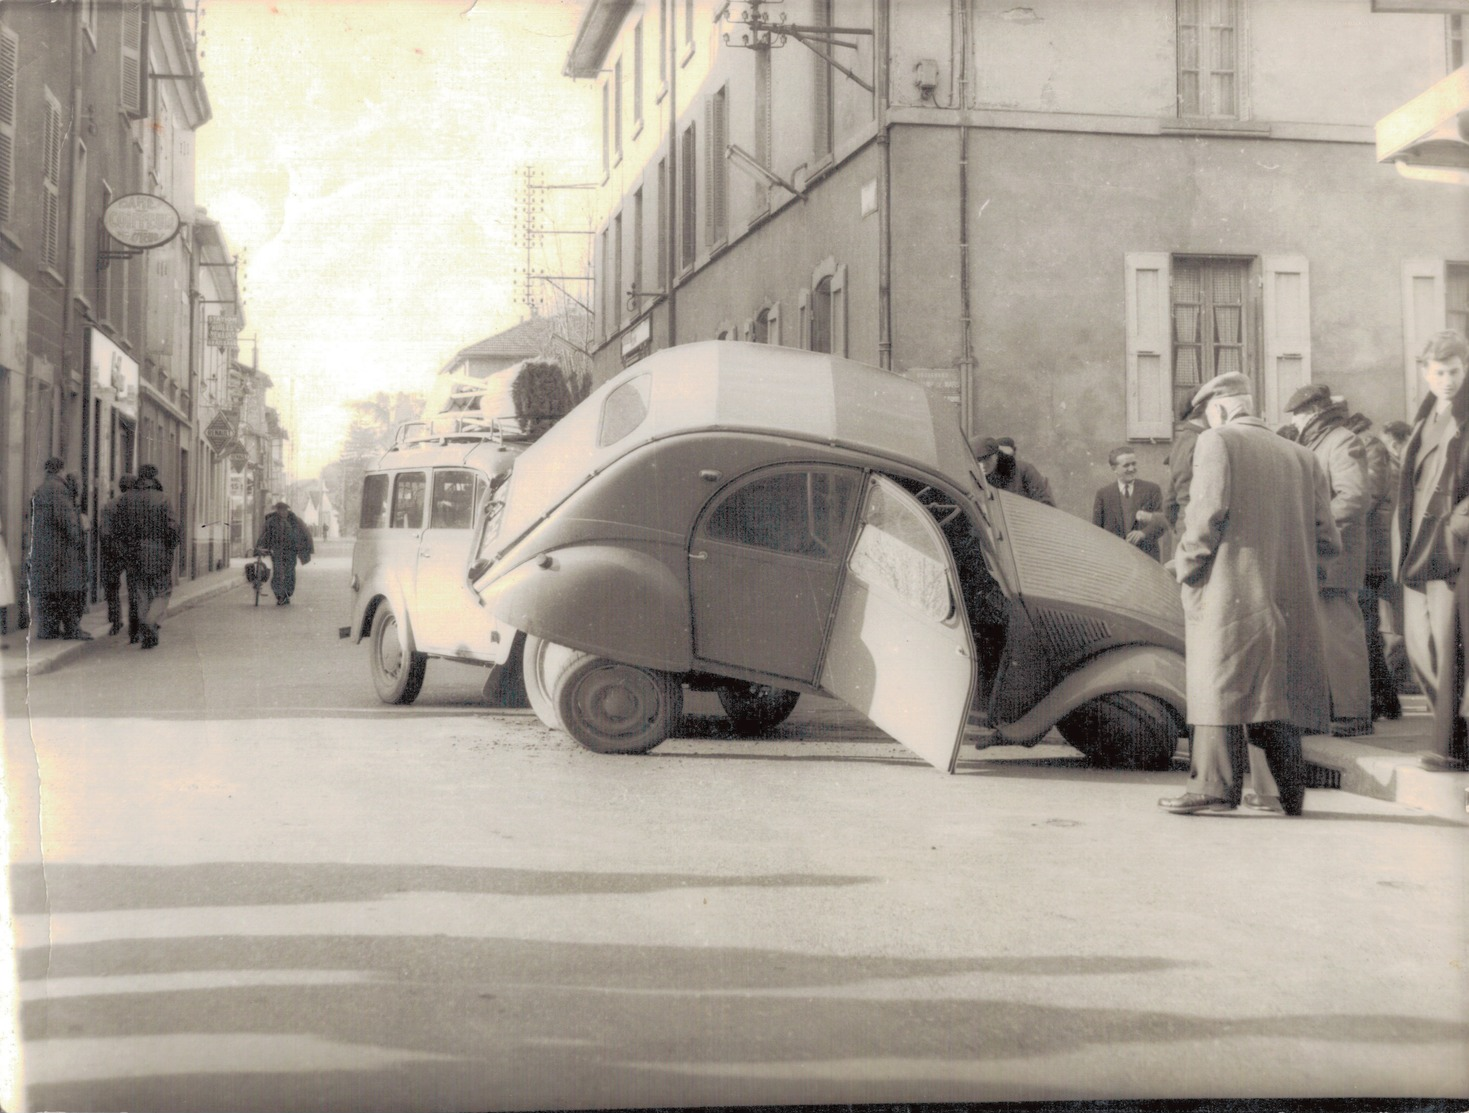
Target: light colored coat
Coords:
[[1258, 527]]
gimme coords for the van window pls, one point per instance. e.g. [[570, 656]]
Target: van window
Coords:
[[374, 502], [453, 505], [408, 490]]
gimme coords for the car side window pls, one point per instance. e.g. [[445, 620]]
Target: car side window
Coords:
[[408, 490], [804, 513], [896, 552], [374, 502], [453, 505]]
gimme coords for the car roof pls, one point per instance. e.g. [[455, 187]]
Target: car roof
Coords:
[[722, 385]]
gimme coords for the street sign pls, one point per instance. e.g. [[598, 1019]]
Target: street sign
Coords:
[[219, 433], [224, 331]]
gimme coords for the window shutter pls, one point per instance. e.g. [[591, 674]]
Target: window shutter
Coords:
[[1149, 347], [839, 311], [9, 64], [772, 333], [1425, 311], [1286, 305], [51, 186], [709, 170], [803, 309], [132, 59]]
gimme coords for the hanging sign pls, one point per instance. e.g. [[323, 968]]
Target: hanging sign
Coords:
[[141, 220], [224, 331], [219, 433]]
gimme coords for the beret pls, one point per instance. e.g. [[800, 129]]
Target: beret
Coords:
[[983, 446], [148, 471], [1309, 396], [283, 506], [1228, 385]]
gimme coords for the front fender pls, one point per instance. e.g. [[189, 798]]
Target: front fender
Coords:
[[1129, 668], [617, 601]]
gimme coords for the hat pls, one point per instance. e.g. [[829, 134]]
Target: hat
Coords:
[[1312, 396], [54, 465], [283, 506], [125, 482], [147, 471], [1229, 385], [983, 446], [1006, 444], [1358, 423]]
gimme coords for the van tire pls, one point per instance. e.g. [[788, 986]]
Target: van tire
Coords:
[[397, 675], [756, 708], [1124, 730], [613, 708], [540, 662]]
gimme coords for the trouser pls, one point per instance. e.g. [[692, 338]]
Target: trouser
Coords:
[[152, 598], [1384, 687], [1390, 614], [1346, 654], [283, 574], [112, 589], [53, 609], [1217, 763], [1428, 633]]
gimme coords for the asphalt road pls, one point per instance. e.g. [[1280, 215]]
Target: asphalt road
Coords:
[[240, 882]]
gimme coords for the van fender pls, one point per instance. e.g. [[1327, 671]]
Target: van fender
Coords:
[[390, 593], [615, 601], [1130, 668]]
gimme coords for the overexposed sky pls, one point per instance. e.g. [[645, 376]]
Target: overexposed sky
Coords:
[[363, 157]]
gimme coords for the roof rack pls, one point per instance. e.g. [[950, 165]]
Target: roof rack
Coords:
[[446, 428]]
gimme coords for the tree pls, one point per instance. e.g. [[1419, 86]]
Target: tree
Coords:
[[373, 425], [542, 396]]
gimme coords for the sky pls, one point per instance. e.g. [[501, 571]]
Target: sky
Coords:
[[363, 159]]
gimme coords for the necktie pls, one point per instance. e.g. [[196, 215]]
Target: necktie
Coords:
[[1127, 491]]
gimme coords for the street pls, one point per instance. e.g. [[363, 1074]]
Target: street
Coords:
[[241, 882]]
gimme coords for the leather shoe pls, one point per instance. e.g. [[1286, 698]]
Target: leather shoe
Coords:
[[1351, 728], [1191, 803], [1440, 764], [114, 629], [1264, 803]]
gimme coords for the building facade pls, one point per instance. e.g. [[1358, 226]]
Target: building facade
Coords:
[[1065, 216]]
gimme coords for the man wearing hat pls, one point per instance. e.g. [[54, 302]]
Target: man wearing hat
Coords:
[[146, 532], [1320, 423], [56, 562], [113, 563], [1003, 469], [286, 538], [1257, 527]]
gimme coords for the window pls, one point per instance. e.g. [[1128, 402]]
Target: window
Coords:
[[663, 211], [898, 555], [53, 143], [606, 286], [688, 24], [624, 410], [1208, 322], [134, 91], [617, 111], [637, 76], [824, 310], [716, 169], [1456, 282], [689, 198], [762, 108], [637, 247], [78, 219], [1208, 58], [805, 513], [765, 329], [374, 502], [109, 278], [821, 85], [606, 129], [408, 490], [89, 19], [1456, 41], [821, 316], [453, 506], [9, 67], [665, 15]]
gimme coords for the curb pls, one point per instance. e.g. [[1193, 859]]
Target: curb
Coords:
[[1391, 775]]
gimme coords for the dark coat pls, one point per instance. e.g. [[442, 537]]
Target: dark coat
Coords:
[[1381, 489], [1344, 459], [57, 557], [286, 537], [145, 531], [1109, 513], [1021, 478], [1180, 470]]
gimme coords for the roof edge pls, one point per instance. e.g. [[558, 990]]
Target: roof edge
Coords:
[[594, 34]]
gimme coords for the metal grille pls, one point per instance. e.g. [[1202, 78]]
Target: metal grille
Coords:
[[1320, 776], [1071, 636]]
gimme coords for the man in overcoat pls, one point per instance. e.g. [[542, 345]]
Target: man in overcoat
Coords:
[[287, 539], [113, 565], [57, 561], [146, 530], [1320, 421], [1130, 507], [1380, 476], [1257, 529]]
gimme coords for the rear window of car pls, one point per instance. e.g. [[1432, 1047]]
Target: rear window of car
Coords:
[[624, 410], [374, 502], [408, 491]]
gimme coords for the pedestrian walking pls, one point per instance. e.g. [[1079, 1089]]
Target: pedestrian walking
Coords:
[[113, 565], [1378, 575], [56, 569], [287, 539], [144, 526], [1430, 531], [1130, 507], [1320, 419], [1257, 530]]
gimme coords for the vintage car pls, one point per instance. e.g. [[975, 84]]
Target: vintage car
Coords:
[[762, 522]]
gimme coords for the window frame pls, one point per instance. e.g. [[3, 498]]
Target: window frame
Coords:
[[1207, 65], [688, 199], [398, 482], [716, 167]]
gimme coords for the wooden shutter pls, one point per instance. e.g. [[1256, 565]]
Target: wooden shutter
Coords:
[[9, 64], [839, 311], [803, 309], [772, 331], [1425, 311], [1149, 346], [1286, 331], [51, 185], [132, 59]]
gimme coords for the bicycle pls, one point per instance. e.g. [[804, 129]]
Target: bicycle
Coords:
[[257, 572]]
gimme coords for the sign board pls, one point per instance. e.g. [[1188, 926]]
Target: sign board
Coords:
[[224, 331], [237, 488], [638, 335], [113, 372], [219, 433], [15, 319], [141, 220]]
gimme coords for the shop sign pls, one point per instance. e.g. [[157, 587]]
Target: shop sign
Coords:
[[114, 372], [219, 433], [237, 488], [14, 315], [224, 331], [141, 220]]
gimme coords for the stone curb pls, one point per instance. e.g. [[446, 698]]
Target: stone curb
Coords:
[[1392, 775]]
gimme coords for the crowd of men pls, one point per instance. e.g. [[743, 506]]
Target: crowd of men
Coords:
[[1318, 565]]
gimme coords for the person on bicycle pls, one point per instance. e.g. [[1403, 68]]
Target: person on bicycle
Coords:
[[286, 538]]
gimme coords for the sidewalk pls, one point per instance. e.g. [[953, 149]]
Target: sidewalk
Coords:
[[21, 656]]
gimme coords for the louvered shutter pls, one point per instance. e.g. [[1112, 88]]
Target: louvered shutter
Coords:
[[132, 59], [709, 171], [1149, 347], [9, 64], [51, 185], [1425, 311], [803, 310], [1286, 309], [839, 311]]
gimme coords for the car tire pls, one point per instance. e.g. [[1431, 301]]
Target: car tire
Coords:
[[396, 673], [756, 708], [1124, 730], [614, 708]]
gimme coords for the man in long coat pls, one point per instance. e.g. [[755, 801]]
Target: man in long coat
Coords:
[[1257, 529], [1380, 487], [57, 561], [287, 539], [1320, 420], [145, 529], [114, 564]]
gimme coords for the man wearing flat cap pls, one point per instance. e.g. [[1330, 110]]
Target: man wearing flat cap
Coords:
[[1004, 470], [287, 539], [1257, 527], [1320, 423]]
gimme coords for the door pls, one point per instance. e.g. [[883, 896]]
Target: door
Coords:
[[763, 568], [900, 650], [446, 612]]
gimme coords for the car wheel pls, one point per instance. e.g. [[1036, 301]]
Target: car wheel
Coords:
[[397, 674], [614, 708], [756, 708], [1124, 730]]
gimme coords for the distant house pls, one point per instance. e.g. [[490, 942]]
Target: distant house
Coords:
[[562, 339]]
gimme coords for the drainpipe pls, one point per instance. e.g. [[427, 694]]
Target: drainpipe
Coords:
[[882, 58], [674, 201], [966, 334]]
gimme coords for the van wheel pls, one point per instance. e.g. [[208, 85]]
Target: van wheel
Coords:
[[1124, 730], [756, 708], [541, 663], [614, 708], [396, 673]]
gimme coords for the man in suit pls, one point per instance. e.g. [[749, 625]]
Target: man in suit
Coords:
[[1132, 508]]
